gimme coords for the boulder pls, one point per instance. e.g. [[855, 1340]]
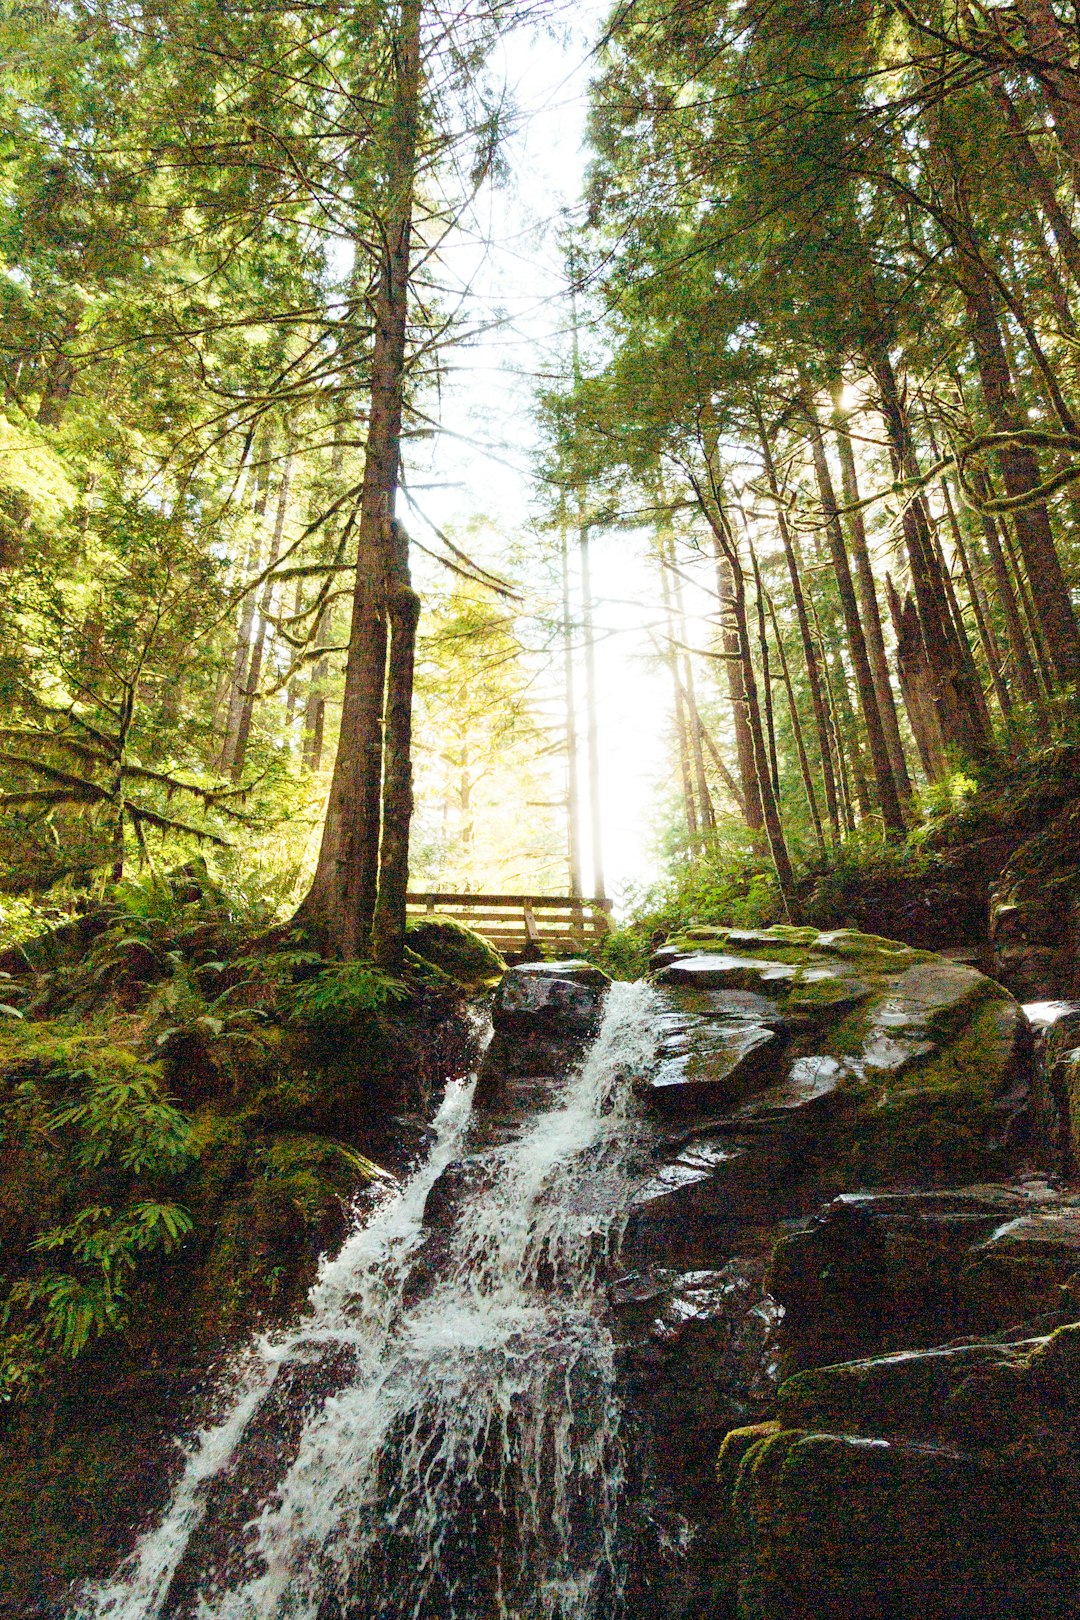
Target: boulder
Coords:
[[920, 1062], [716, 1047], [943, 1484], [544, 1015], [567, 997]]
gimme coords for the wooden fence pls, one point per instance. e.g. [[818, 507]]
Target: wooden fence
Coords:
[[519, 924]]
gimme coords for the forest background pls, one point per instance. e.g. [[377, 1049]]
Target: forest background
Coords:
[[816, 371]]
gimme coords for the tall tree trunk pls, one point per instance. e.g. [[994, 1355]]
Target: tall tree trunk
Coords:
[[868, 602], [888, 797], [958, 712], [315, 708], [266, 604], [340, 905], [797, 730], [766, 672], [1052, 63], [573, 793], [736, 684], [917, 685], [592, 741], [1026, 678], [706, 813], [810, 657], [718, 760], [1020, 473], [983, 625], [682, 730], [245, 629], [1032, 174], [770, 809], [403, 605]]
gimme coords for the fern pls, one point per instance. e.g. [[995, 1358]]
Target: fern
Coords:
[[344, 992], [63, 1309]]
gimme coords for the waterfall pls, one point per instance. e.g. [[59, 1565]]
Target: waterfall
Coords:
[[467, 1463]]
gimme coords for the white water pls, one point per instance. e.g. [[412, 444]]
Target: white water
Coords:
[[470, 1468]]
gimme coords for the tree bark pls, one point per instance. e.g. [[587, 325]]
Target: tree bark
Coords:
[[682, 735], [797, 730], [573, 793], [766, 672], [706, 813], [958, 715], [1026, 678], [315, 708], [917, 685], [1031, 172], [388, 927], [983, 625], [1053, 67], [887, 795], [254, 670], [592, 743], [770, 809], [340, 906], [868, 602], [1020, 474], [810, 657]]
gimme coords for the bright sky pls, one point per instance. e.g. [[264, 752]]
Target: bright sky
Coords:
[[480, 463]]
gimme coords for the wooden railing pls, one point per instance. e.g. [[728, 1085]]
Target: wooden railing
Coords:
[[517, 923]]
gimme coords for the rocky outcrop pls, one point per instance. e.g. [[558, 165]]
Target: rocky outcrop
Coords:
[[1035, 911], [842, 1237], [544, 1014], [920, 1064], [938, 1483]]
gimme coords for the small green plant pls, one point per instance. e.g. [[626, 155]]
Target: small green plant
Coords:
[[89, 1133], [63, 1310], [344, 992]]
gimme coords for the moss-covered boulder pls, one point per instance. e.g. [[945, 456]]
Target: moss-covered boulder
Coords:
[[456, 950], [915, 1065], [942, 1484]]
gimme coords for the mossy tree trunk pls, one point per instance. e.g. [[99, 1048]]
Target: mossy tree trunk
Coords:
[[339, 909]]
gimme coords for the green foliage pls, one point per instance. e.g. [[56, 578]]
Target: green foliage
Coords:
[[90, 1112], [307, 1168], [726, 889], [343, 993]]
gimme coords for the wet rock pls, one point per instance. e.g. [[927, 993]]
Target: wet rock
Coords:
[[923, 1060], [544, 1015], [874, 1271], [717, 970], [942, 1483], [568, 996], [1056, 1103], [716, 1047], [1035, 911], [1026, 1271]]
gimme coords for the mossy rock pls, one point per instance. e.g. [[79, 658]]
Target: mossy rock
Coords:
[[920, 1064], [456, 950]]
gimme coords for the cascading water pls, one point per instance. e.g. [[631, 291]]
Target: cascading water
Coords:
[[466, 1464]]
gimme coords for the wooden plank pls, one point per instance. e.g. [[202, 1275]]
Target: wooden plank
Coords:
[[537, 901]]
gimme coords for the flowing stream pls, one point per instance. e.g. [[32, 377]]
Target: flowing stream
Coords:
[[439, 1438]]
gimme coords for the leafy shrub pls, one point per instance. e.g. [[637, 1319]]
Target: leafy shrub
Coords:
[[726, 889], [89, 1138], [344, 992]]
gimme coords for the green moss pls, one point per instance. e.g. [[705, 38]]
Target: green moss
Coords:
[[457, 950], [978, 1041]]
